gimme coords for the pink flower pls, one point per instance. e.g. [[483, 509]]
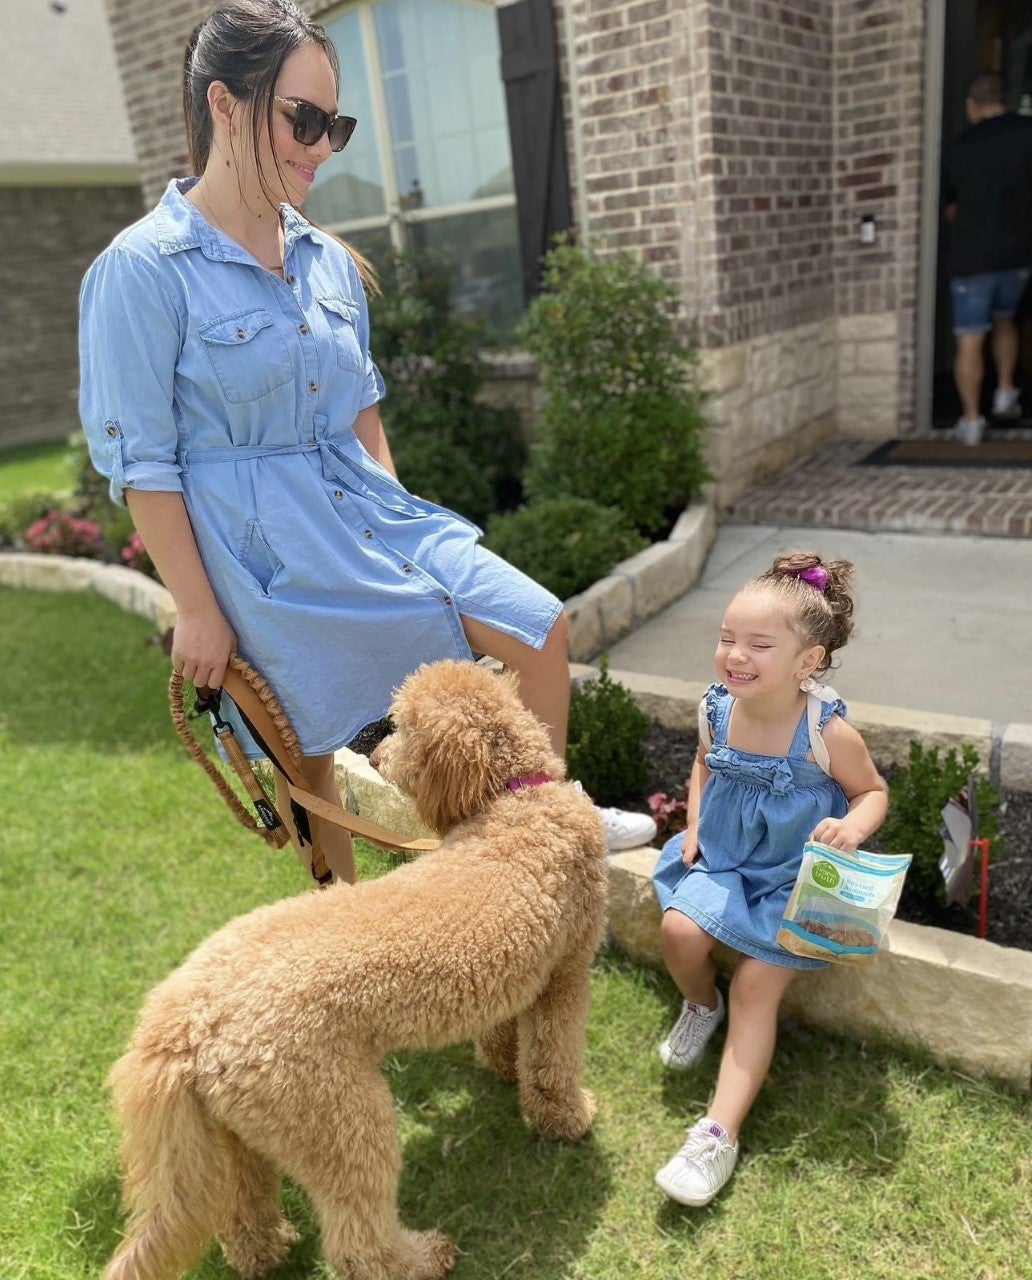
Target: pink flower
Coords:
[[61, 533]]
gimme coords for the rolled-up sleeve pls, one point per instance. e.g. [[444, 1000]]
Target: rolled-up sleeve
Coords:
[[129, 343], [373, 388]]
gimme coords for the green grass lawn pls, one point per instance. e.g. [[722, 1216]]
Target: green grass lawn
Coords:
[[860, 1162], [35, 468]]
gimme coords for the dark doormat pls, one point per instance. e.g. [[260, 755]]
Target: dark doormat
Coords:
[[950, 453]]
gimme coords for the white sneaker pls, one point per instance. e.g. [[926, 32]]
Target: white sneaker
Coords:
[[1007, 404], [969, 430], [625, 830], [702, 1166], [690, 1034]]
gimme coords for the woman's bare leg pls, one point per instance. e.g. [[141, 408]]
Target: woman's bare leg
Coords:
[[320, 776], [543, 674]]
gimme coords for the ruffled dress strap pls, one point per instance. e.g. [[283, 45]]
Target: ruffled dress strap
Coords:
[[712, 716], [822, 702]]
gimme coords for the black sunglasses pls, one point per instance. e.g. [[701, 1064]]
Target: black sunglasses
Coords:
[[311, 122]]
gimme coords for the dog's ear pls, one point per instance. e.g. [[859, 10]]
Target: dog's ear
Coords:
[[464, 733]]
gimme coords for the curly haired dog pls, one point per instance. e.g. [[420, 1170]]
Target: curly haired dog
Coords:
[[260, 1055]]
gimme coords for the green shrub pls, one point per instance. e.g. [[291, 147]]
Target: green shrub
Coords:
[[443, 473], [622, 420], [917, 792], [607, 729], [17, 513], [430, 361], [566, 544]]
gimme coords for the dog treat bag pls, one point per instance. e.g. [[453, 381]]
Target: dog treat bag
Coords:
[[842, 903]]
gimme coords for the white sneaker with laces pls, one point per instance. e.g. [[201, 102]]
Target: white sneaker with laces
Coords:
[[690, 1034], [1007, 403], [969, 430], [625, 830], [702, 1166]]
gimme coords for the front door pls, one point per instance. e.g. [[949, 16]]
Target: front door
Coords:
[[980, 35]]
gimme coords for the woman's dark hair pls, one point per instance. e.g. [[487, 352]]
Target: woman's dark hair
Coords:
[[817, 614], [244, 43]]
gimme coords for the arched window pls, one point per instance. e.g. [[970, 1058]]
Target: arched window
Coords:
[[429, 165]]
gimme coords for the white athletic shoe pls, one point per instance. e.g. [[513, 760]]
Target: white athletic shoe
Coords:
[[969, 430], [690, 1034], [1007, 404], [702, 1166], [625, 830]]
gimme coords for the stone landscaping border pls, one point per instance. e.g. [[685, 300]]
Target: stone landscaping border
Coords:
[[641, 587], [965, 1001]]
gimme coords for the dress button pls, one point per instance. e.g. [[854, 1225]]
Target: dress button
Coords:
[[447, 600], [338, 494], [313, 387], [302, 328], [241, 333], [406, 568], [290, 279], [367, 533], [111, 429]]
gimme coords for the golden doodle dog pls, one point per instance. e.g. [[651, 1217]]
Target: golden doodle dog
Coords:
[[260, 1055]]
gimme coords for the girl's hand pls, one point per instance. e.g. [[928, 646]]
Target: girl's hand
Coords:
[[839, 833], [202, 645], [690, 847]]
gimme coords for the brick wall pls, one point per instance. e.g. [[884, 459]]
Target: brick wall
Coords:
[[50, 235], [879, 86]]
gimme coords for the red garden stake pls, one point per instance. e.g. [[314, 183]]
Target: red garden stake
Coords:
[[983, 897]]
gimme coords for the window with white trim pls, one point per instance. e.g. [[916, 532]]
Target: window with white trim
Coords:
[[429, 165]]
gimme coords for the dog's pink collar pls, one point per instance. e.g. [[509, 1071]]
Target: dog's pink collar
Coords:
[[532, 780]]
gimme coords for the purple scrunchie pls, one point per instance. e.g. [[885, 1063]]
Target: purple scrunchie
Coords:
[[817, 577]]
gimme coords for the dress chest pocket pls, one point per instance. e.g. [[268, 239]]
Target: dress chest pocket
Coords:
[[342, 319], [248, 354]]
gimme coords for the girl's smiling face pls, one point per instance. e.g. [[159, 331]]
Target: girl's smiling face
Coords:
[[758, 652]]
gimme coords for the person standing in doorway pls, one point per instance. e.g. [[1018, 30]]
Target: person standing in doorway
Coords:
[[987, 196]]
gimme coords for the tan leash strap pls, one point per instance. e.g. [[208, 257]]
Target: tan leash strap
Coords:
[[260, 710], [272, 830], [364, 827]]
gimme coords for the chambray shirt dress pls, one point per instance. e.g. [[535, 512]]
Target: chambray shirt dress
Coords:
[[756, 814], [205, 374]]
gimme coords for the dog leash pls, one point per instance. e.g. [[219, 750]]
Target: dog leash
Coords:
[[266, 721]]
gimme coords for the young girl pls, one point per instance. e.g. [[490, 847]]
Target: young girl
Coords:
[[229, 394], [756, 795]]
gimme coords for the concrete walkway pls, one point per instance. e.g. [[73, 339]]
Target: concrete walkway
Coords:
[[943, 621]]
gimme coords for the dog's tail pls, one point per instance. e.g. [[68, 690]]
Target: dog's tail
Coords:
[[174, 1163]]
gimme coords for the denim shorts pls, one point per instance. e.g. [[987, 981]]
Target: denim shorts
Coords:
[[977, 298]]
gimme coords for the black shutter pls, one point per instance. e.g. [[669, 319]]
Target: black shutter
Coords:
[[530, 69]]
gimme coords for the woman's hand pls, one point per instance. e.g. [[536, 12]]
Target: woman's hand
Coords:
[[202, 644]]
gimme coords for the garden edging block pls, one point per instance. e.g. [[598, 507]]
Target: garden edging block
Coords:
[[643, 585], [966, 1002]]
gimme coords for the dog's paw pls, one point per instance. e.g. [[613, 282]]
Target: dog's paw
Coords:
[[255, 1256], [566, 1122], [437, 1255]]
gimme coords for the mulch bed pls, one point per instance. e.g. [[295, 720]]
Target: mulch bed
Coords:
[[671, 753]]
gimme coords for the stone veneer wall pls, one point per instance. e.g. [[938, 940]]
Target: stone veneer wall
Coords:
[[49, 236]]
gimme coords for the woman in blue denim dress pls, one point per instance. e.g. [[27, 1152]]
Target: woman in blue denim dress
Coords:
[[778, 765], [229, 395]]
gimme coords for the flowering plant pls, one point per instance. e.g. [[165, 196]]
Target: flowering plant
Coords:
[[60, 533], [134, 555], [670, 813]]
